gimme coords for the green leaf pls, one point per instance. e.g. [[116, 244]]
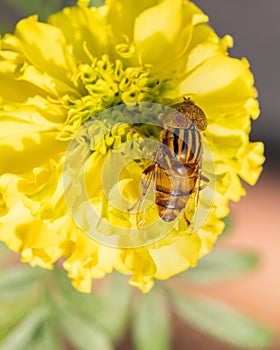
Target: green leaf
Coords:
[[87, 305], [47, 338], [98, 309], [14, 282], [22, 334], [151, 329], [221, 266], [82, 334], [222, 322], [116, 300], [12, 312]]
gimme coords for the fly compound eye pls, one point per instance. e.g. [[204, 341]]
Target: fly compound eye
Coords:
[[200, 121]]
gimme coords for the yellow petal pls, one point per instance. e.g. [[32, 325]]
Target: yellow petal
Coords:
[[24, 144], [90, 260], [11, 88], [8, 224], [253, 158], [17, 71], [220, 85], [144, 283], [169, 19], [163, 33], [122, 14], [32, 238], [46, 48], [176, 257], [74, 23]]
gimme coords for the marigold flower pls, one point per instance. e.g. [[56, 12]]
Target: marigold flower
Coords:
[[56, 76]]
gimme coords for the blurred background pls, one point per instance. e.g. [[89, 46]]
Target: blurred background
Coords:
[[254, 25]]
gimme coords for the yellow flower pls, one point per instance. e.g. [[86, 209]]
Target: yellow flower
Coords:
[[56, 78]]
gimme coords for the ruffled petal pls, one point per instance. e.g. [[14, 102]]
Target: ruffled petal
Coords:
[[176, 257], [122, 14], [90, 260], [220, 85], [26, 140], [21, 231], [86, 40], [253, 158], [155, 39], [45, 47], [140, 262], [13, 89]]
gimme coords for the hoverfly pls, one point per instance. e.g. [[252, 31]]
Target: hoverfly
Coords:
[[176, 169]]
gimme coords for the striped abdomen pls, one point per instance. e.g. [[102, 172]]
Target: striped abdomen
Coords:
[[177, 169], [185, 144]]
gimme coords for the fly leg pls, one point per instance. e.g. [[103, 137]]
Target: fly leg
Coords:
[[196, 199], [202, 178], [186, 219], [145, 185], [149, 169], [198, 188]]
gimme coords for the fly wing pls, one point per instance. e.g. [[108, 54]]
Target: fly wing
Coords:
[[192, 214], [145, 207]]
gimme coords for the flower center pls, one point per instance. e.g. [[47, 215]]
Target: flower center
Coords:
[[104, 84]]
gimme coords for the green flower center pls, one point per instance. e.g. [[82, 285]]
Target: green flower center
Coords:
[[104, 84]]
